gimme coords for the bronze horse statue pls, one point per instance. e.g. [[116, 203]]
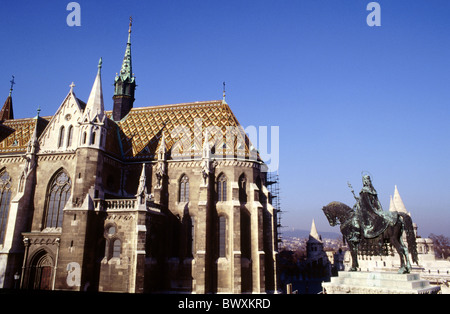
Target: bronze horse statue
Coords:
[[368, 229]]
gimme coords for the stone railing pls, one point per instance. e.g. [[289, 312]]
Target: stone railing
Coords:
[[121, 204], [115, 204]]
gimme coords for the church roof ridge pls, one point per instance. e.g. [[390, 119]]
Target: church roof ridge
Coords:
[[174, 106]]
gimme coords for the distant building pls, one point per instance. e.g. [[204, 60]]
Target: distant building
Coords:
[[317, 263]]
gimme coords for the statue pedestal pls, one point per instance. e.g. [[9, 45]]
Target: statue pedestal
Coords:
[[378, 283]]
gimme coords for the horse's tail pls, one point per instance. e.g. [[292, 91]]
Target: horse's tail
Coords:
[[410, 236]]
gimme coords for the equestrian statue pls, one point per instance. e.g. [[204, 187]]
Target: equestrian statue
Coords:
[[370, 230]]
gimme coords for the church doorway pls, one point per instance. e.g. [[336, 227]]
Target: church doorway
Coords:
[[41, 272]]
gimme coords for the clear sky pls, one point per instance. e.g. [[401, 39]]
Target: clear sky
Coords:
[[346, 97]]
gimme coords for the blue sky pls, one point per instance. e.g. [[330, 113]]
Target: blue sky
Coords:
[[346, 97]]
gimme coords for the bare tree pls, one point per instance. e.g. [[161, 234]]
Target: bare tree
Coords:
[[441, 245]]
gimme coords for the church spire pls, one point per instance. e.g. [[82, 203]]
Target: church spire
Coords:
[[124, 84], [6, 113], [95, 108], [126, 70]]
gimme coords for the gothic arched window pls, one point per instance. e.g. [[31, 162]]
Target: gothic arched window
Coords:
[[5, 198], [61, 137], [84, 138], [93, 138], [184, 189], [222, 188], [117, 246], [57, 196], [69, 136]]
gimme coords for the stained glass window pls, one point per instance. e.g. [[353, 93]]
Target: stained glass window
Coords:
[[59, 193], [222, 188], [184, 189]]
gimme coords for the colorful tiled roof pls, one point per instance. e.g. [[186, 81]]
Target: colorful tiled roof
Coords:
[[184, 126], [138, 135], [15, 134]]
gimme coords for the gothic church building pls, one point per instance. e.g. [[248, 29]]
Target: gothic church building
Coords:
[[169, 198]]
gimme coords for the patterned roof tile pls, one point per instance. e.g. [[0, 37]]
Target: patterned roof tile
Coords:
[[183, 125]]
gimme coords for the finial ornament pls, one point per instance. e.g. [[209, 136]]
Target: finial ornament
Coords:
[[12, 84], [100, 63], [223, 90], [71, 87], [223, 99], [131, 23]]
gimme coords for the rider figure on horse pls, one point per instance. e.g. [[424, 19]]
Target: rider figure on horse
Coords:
[[368, 229], [369, 218]]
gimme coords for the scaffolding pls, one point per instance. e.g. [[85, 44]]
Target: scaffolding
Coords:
[[273, 185]]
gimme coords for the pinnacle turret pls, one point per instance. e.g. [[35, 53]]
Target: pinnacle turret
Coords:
[[95, 108]]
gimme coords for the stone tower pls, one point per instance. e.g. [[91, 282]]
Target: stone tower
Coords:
[[124, 85]]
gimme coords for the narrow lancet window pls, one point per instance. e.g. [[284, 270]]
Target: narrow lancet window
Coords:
[[184, 189], [222, 188], [58, 194]]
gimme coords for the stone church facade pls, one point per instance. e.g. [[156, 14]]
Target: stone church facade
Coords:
[[169, 198]]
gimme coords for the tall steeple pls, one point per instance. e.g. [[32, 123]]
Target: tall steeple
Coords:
[[6, 113], [124, 84], [95, 108], [93, 121]]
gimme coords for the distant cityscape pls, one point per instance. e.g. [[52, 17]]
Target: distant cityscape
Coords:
[[295, 240]]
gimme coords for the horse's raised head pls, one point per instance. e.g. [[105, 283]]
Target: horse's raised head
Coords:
[[330, 215], [334, 212]]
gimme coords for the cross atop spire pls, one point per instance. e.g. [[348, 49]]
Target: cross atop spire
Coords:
[[223, 94], [131, 23], [12, 85], [129, 31]]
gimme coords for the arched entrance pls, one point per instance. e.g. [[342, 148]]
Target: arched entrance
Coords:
[[41, 268]]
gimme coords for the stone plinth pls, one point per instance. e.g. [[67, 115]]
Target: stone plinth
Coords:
[[378, 283]]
